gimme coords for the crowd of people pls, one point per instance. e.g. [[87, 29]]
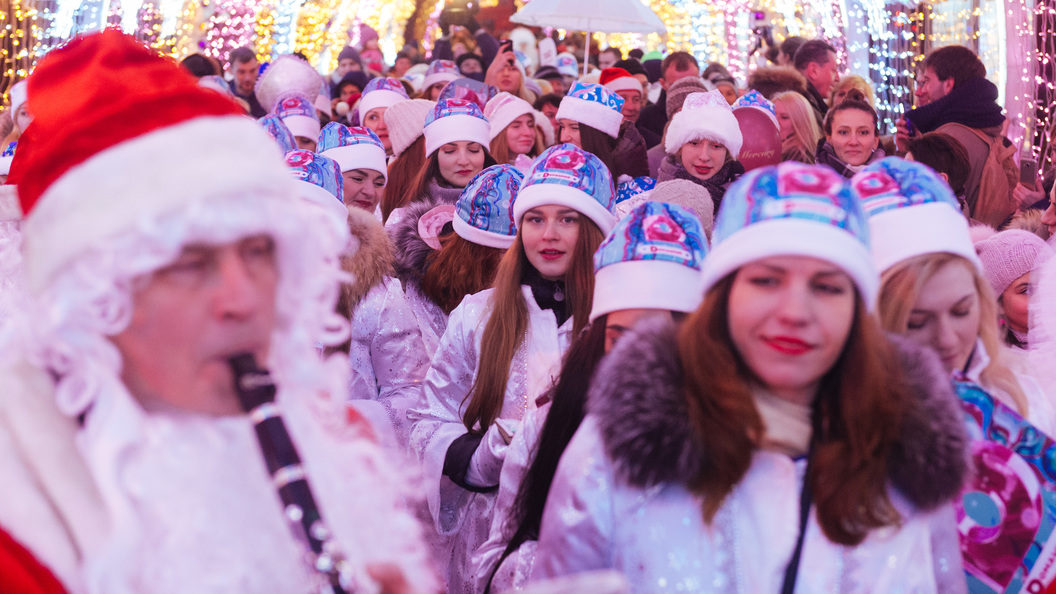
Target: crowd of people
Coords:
[[489, 322]]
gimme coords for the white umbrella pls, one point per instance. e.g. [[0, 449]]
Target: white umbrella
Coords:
[[591, 16]]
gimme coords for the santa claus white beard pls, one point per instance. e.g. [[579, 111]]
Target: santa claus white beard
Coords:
[[194, 511]]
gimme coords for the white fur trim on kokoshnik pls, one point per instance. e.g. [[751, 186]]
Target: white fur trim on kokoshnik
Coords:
[[134, 181], [591, 113], [455, 128], [704, 116], [544, 194]]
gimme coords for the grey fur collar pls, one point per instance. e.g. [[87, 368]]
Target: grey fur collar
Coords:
[[411, 250], [643, 418]]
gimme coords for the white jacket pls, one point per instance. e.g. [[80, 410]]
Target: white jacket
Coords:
[[464, 515]]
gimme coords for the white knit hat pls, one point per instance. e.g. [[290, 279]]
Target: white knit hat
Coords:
[[502, 109], [911, 212], [454, 120], [595, 106], [405, 121], [380, 92], [650, 260], [1009, 255], [704, 116], [18, 97]]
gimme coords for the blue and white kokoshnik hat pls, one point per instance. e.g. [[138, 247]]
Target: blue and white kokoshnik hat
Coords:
[[651, 260], [298, 113], [353, 148], [911, 212], [792, 209], [279, 132], [593, 105], [566, 175], [484, 211], [380, 92], [755, 100], [320, 181], [454, 120]]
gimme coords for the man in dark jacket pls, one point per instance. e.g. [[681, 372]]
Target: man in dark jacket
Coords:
[[816, 61], [677, 66]]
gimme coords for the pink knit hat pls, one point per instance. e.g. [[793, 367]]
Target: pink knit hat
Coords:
[[1009, 255], [502, 109], [405, 121]]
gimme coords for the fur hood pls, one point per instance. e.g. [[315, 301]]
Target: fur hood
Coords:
[[411, 250], [644, 419], [372, 260], [771, 80]]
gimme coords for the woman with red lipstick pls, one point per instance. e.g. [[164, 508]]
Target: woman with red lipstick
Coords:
[[456, 146], [379, 95], [852, 136], [702, 144], [933, 288], [775, 441], [502, 347], [361, 156]]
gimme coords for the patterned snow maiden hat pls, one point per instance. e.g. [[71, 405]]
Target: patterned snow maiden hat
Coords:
[[319, 182], [618, 79], [454, 120], [651, 260], [353, 148], [502, 109], [755, 100], [484, 211], [279, 132], [593, 105], [792, 209], [298, 113], [704, 116], [6, 157], [567, 175], [1009, 255], [380, 92], [567, 65], [440, 71], [911, 212]]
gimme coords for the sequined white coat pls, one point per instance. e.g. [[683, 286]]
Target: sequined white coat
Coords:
[[464, 515], [387, 354], [619, 499]]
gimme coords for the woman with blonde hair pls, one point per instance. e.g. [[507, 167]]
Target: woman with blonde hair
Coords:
[[933, 290], [848, 82], [797, 127], [502, 347]]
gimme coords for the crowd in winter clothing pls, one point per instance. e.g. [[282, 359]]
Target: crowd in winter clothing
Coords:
[[508, 326]]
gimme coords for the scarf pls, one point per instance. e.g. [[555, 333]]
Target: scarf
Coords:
[[671, 168], [826, 155], [973, 104], [548, 294]]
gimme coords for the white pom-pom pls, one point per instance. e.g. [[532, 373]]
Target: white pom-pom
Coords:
[[341, 108]]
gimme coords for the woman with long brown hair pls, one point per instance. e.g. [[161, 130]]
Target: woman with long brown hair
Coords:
[[775, 441], [502, 347]]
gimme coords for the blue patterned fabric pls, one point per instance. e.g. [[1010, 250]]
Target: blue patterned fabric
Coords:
[[9, 151], [451, 107], [385, 84], [295, 105], [441, 67], [655, 231], [628, 189], [596, 94], [317, 170], [571, 166], [756, 99], [487, 202], [893, 183], [791, 191], [336, 135], [278, 131]]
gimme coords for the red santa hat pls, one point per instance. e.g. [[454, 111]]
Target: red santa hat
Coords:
[[618, 79], [82, 180]]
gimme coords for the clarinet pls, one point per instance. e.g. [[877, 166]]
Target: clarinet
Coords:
[[256, 394]]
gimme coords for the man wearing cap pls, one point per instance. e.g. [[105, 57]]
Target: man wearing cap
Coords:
[[166, 424]]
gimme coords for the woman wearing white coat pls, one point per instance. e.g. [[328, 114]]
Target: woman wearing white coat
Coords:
[[775, 441], [474, 404]]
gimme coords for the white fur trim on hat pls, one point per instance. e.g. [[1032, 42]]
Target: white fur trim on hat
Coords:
[[591, 113], [646, 284], [108, 194], [18, 97], [541, 121], [319, 198], [359, 156], [480, 236], [454, 128], [624, 83], [932, 228], [785, 237], [561, 195], [305, 126], [711, 123], [377, 98], [504, 109], [436, 77]]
